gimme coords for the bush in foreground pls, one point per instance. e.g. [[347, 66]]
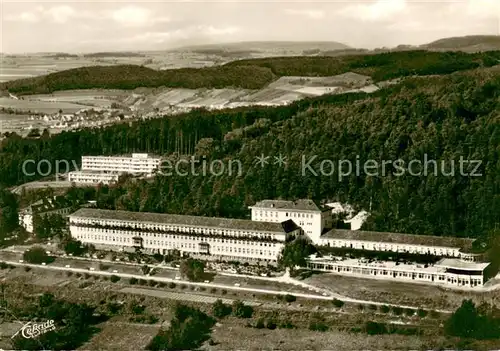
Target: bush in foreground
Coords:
[[220, 309], [36, 255], [338, 303]]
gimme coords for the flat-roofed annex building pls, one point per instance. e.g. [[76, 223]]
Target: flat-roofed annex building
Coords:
[[107, 169], [459, 265], [229, 239], [314, 219], [397, 242]]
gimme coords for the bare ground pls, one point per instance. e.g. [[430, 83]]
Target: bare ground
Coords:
[[429, 297]]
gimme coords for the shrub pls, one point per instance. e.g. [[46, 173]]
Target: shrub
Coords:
[[172, 285], [241, 310], [372, 307], [220, 309], [338, 303], [271, 324], [36, 255], [287, 325], [114, 278], [374, 328], [133, 281], [27, 269], [142, 282], [290, 298], [384, 309], [152, 283], [213, 290], [361, 307], [224, 292], [86, 275], [409, 312], [318, 326], [162, 284], [421, 313], [4, 265], [397, 310], [260, 323], [78, 275], [183, 286]]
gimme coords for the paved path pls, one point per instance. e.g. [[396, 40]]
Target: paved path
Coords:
[[210, 285]]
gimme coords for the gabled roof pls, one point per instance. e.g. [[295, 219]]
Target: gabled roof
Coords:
[[289, 226], [164, 218], [299, 205], [47, 204], [398, 238]]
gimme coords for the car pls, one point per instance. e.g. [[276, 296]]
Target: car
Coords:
[[92, 268], [67, 266], [325, 294], [237, 284], [207, 281], [21, 261], [43, 263], [177, 277], [115, 271]]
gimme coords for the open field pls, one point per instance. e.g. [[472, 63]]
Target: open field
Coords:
[[432, 297], [122, 336], [237, 337]]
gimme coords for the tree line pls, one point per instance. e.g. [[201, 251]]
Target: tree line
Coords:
[[441, 118], [255, 73]]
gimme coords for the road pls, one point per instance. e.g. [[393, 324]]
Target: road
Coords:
[[219, 286]]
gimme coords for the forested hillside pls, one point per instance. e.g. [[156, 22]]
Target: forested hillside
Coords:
[[445, 118], [254, 73]]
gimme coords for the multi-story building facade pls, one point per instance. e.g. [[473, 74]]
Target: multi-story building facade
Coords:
[[447, 271], [228, 239], [44, 207], [307, 214], [107, 169], [458, 266]]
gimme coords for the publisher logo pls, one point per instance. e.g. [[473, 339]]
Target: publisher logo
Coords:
[[32, 330]]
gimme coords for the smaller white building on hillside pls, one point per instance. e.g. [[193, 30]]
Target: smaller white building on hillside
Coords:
[[107, 169]]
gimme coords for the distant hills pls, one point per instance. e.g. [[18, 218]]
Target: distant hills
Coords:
[[255, 73], [292, 47], [471, 43]]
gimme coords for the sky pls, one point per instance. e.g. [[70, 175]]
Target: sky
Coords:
[[85, 26]]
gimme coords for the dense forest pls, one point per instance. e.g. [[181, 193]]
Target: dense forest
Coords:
[[255, 73], [442, 118]]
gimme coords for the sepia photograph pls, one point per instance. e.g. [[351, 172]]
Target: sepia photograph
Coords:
[[250, 175]]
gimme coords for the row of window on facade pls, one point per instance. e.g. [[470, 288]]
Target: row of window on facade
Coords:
[[392, 247], [394, 274], [200, 230], [194, 246], [124, 239], [292, 214]]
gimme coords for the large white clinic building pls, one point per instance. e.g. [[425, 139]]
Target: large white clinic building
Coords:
[[107, 169], [224, 238], [452, 262]]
